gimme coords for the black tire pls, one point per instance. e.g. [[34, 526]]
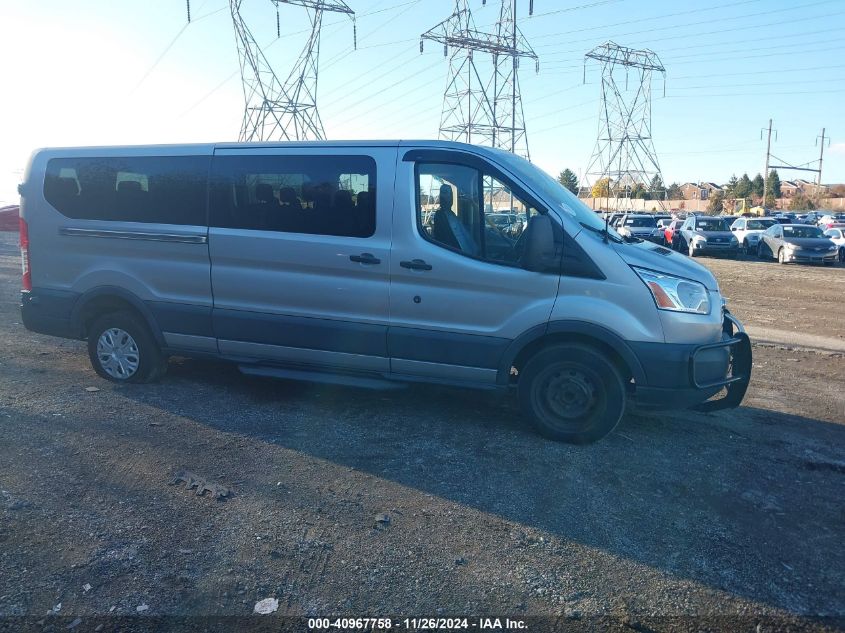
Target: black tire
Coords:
[[760, 251], [572, 393], [690, 249], [151, 363], [842, 255], [781, 257]]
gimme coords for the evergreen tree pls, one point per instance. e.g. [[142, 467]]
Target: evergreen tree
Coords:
[[674, 192], [730, 188], [656, 188], [757, 186], [743, 187], [773, 184], [569, 180]]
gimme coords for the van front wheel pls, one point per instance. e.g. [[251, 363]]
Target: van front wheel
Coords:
[[122, 349], [572, 393]]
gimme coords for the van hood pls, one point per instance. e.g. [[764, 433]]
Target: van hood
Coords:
[[809, 242], [660, 259]]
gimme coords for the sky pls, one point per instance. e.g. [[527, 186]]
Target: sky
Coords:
[[106, 72]]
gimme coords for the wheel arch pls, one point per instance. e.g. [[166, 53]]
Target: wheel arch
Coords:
[[570, 331], [105, 299]]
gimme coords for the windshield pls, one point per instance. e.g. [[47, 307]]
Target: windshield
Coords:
[[711, 224], [798, 230], [640, 222], [760, 225], [565, 201]]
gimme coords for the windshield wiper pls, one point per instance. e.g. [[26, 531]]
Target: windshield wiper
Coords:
[[603, 232]]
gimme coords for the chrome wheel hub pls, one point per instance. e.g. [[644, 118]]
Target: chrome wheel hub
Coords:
[[118, 353]]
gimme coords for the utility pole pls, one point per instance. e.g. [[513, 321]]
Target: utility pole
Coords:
[[766, 169], [821, 156]]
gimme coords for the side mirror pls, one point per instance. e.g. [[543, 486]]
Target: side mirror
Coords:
[[539, 253]]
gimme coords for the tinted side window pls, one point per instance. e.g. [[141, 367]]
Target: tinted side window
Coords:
[[322, 195], [160, 189]]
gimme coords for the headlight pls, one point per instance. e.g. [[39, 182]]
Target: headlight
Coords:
[[734, 240], [699, 238], [790, 246], [675, 293], [832, 247]]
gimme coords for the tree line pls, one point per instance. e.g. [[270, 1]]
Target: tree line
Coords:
[[743, 188]]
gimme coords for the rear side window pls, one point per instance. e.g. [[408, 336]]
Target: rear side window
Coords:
[[150, 189], [320, 195]]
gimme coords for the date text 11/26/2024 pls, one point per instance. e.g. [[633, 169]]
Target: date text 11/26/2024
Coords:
[[415, 624]]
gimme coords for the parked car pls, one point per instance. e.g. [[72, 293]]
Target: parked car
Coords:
[[797, 243], [813, 217], [828, 220], [509, 224], [614, 219], [837, 236], [643, 227], [748, 231], [669, 234], [569, 317], [707, 235]]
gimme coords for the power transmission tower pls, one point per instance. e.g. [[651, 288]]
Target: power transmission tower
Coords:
[[789, 166], [624, 152], [276, 110], [482, 103]]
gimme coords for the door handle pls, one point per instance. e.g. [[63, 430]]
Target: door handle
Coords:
[[365, 258], [415, 264]]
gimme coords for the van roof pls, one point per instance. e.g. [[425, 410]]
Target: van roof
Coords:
[[208, 148]]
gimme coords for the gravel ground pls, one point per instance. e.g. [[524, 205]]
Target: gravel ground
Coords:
[[676, 521]]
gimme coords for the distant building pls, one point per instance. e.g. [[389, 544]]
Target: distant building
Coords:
[[811, 188], [691, 191], [699, 190], [789, 188], [710, 188]]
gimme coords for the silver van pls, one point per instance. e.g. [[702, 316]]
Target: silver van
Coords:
[[363, 263]]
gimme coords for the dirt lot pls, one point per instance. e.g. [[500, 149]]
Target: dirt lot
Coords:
[[679, 520]]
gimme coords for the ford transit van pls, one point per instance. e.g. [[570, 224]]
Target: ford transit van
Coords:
[[365, 263]]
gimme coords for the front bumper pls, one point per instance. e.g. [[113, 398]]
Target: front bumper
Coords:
[[684, 376], [715, 247], [812, 257]]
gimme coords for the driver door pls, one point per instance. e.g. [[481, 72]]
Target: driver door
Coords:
[[458, 295]]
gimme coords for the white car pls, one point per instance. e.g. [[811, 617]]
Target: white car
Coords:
[[837, 236], [748, 231]]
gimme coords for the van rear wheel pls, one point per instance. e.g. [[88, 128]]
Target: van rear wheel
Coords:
[[572, 393], [122, 349]]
